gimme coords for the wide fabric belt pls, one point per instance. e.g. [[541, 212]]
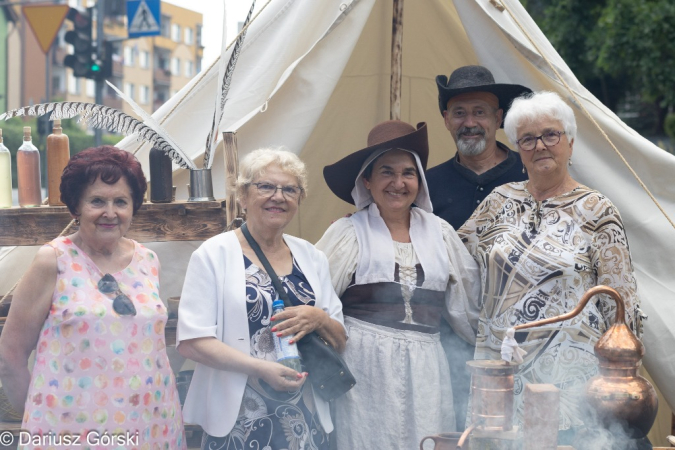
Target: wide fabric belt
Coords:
[[383, 304]]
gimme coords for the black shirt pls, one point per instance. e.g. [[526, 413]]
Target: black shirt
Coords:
[[456, 191]]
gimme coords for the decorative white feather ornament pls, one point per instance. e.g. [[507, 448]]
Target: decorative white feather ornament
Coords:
[[99, 116], [225, 72], [150, 121]]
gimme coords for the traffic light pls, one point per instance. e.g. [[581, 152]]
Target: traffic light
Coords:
[[102, 65], [80, 38]]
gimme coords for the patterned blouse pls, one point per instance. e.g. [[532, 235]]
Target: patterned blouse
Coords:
[[537, 259], [270, 419]]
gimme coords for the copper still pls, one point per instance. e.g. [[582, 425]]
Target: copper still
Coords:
[[617, 393], [492, 394], [491, 406]]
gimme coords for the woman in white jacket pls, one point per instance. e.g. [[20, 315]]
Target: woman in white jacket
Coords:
[[239, 394]]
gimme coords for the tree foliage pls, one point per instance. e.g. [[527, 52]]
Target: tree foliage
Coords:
[[618, 49]]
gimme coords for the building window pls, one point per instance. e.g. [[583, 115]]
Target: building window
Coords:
[[175, 32], [130, 89], [73, 85], [189, 36], [58, 84], [189, 68], [199, 35], [199, 64], [129, 56], [90, 88], [144, 59], [165, 25], [162, 60], [144, 94], [175, 66]]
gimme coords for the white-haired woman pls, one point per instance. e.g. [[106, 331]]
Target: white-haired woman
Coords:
[[239, 394], [541, 244]]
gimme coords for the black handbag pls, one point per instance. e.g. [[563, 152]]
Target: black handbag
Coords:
[[328, 372]]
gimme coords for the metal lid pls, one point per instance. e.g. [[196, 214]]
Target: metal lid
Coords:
[[491, 367]]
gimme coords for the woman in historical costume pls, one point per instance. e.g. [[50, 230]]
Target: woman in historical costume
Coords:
[[89, 305], [541, 244], [399, 270], [239, 394]]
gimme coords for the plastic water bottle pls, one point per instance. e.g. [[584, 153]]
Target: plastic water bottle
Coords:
[[287, 353]]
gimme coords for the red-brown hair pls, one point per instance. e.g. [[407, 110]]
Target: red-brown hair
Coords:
[[107, 163]]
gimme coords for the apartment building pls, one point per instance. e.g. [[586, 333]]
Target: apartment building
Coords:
[[148, 69]]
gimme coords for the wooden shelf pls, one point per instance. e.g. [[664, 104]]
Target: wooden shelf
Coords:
[[154, 222]]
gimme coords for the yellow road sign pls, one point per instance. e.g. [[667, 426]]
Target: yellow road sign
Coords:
[[45, 21]]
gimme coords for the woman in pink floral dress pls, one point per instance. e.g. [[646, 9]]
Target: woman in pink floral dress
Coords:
[[89, 306]]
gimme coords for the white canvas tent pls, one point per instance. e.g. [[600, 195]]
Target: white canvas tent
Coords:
[[314, 76]]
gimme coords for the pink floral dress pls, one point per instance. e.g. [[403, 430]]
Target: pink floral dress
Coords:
[[101, 380]]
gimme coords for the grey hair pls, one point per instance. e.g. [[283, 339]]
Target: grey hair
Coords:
[[255, 164], [532, 106]]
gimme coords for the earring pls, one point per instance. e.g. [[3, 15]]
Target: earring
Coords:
[[77, 222], [524, 171], [569, 162]]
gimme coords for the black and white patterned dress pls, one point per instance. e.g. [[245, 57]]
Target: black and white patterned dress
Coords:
[[269, 419], [537, 260]]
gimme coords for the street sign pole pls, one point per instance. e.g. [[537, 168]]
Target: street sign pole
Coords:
[[100, 17]]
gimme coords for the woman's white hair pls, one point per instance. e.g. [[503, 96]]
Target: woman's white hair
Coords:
[[255, 164], [533, 106]]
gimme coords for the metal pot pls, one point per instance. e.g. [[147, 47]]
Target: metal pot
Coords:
[[443, 441]]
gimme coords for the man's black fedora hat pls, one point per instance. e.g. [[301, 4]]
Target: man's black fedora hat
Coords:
[[476, 79]]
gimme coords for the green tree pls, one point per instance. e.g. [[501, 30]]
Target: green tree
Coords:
[[618, 49], [636, 39]]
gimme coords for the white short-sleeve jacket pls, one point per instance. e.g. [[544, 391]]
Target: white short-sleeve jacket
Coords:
[[212, 305]]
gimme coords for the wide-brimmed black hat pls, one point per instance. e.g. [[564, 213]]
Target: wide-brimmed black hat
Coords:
[[476, 79], [392, 134]]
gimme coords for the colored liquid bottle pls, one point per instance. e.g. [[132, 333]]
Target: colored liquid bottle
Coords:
[[5, 175], [161, 181], [286, 353], [58, 154], [28, 172]]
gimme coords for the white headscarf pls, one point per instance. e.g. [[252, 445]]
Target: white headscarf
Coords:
[[376, 247], [362, 196]]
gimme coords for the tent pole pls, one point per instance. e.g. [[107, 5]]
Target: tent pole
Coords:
[[232, 208], [396, 61]]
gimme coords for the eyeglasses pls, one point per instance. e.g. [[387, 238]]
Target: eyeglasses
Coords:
[[549, 139], [268, 190], [122, 304]]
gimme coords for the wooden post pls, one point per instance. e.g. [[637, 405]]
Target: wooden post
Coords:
[[396, 61], [232, 208]]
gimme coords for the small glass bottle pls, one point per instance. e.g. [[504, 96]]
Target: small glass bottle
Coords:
[[161, 182], [5, 175], [58, 154], [28, 172], [287, 353]]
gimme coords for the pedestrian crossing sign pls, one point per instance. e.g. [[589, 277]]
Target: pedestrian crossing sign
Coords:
[[143, 18]]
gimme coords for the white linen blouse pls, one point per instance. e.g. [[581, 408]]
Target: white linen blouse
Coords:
[[462, 293]]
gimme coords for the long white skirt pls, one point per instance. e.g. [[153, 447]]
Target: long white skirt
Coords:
[[402, 390]]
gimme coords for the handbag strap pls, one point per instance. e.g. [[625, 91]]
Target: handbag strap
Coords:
[[266, 264]]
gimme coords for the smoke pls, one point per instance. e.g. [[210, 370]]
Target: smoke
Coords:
[[604, 433]]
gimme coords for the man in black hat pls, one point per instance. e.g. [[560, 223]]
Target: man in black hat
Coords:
[[473, 107]]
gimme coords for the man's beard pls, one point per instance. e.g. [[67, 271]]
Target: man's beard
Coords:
[[473, 147]]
